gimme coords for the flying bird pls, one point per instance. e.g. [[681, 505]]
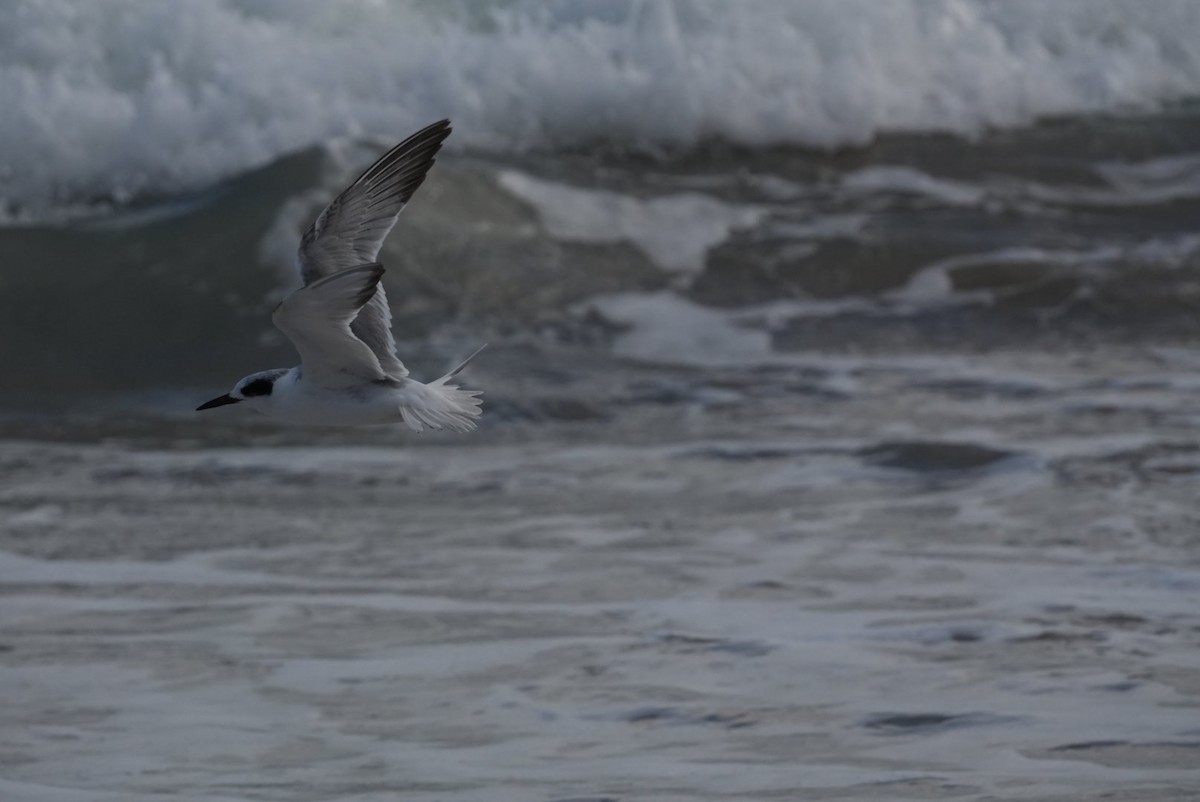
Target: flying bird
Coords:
[[340, 322]]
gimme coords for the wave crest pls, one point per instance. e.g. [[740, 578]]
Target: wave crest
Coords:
[[114, 98]]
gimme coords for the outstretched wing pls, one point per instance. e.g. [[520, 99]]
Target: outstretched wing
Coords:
[[352, 228], [316, 318]]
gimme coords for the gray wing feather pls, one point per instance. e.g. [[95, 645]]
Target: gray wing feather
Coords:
[[316, 318], [352, 228]]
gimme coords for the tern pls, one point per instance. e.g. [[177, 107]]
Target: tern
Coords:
[[340, 322]]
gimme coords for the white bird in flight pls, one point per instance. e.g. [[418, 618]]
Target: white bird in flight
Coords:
[[339, 321]]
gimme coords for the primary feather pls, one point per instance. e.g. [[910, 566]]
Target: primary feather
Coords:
[[352, 229]]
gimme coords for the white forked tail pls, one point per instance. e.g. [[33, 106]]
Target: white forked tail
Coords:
[[439, 405]]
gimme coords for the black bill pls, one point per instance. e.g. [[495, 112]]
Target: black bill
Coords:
[[219, 401]]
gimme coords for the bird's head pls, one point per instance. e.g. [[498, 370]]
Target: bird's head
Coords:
[[254, 389]]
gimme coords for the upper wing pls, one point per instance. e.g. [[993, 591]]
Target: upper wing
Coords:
[[316, 318], [352, 228]]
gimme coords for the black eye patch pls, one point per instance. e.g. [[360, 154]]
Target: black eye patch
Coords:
[[258, 387]]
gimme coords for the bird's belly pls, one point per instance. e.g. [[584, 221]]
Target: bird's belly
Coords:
[[352, 407]]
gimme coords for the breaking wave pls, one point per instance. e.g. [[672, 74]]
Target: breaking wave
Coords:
[[111, 99]]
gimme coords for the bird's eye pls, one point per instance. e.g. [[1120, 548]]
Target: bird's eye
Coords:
[[257, 387]]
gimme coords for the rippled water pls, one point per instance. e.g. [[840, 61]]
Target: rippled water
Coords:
[[856, 578]]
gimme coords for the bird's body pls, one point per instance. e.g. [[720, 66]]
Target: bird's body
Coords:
[[296, 401], [340, 321], [304, 403]]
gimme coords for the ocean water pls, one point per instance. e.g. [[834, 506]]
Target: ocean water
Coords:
[[779, 177], [840, 415]]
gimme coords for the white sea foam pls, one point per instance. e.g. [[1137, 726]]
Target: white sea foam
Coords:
[[933, 284], [662, 327], [704, 598], [675, 231], [116, 97], [910, 181]]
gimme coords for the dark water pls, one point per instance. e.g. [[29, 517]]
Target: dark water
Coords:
[[1080, 231]]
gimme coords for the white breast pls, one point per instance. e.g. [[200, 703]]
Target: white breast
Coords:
[[305, 403]]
